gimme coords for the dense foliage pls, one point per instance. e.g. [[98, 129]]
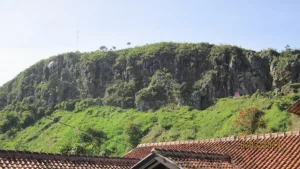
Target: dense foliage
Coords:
[[132, 135], [100, 130]]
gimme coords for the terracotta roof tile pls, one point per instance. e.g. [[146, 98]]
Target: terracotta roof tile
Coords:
[[295, 108], [23, 159], [274, 150], [186, 159], [192, 154]]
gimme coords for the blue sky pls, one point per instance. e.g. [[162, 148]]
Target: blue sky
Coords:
[[32, 30]]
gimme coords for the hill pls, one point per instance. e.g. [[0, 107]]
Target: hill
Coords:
[[161, 92]]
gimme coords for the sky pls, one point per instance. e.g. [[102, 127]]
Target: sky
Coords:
[[32, 30]]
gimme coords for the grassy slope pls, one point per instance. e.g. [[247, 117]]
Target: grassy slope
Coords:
[[166, 124]]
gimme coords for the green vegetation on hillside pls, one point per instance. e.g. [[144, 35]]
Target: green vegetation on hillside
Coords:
[[169, 123]]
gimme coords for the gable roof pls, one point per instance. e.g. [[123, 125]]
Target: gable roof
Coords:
[[273, 150], [175, 159], [295, 108], [24, 159]]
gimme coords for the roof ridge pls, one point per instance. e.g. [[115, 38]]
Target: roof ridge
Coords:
[[184, 151], [230, 138], [59, 156], [192, 154]]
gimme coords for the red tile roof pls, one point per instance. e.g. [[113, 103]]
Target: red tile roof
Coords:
[[295, 108], [274, 150], [22, 159], [185, 159]]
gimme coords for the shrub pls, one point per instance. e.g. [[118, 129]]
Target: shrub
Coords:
[[132, 134], [66, 148], [27, 119], [68, 105], [165, 122], [249, 120], [120, 94], [92, 140], [85, 103], [11, 121]]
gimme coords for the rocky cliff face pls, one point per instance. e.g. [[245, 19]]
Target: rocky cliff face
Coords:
[[285, 71], [151, 76]]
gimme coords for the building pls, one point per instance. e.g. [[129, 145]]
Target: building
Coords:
[[29, 160], [176, 159], [295, 108], [273, 150]]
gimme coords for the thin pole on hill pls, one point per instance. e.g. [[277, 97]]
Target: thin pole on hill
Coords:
[[77, 40]]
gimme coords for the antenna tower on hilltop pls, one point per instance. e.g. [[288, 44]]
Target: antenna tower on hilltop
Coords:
[[77, 40]]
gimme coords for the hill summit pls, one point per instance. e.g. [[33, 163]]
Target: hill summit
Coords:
[[151, 76]]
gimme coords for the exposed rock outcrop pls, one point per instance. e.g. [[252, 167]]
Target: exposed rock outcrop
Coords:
[[151, 76]]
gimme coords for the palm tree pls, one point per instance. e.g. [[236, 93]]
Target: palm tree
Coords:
[[114, 48]]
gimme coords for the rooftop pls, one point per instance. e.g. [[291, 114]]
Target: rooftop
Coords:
[[295, 108], [25, 159], [272, 150], [175, 159]]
